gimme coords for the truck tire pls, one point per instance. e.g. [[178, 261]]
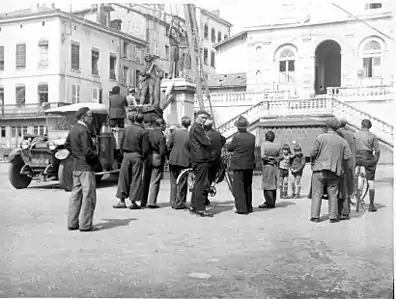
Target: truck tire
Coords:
[[17, 180], [65, 175]]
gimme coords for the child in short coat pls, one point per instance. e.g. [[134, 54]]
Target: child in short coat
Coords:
[[284, 166], [297, 164]]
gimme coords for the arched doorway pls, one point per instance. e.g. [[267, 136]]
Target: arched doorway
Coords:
[[327, 66]]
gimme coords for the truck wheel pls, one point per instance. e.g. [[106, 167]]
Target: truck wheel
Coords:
[[17, 180], [65, 175]]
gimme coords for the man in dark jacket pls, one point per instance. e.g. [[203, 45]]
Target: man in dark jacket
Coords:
[[117, 106], [218, 142], [135, 146], [347, 179], [179, 159], [83, 198], [242, 163], [201, 156], [154, 166], [328, 155]]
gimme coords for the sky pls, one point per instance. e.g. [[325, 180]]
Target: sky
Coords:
[[240, 13]]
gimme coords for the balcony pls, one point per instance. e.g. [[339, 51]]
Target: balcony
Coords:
[[359, 93], [242, 98], [27, 110]]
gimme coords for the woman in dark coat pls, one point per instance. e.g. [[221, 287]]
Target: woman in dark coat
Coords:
[[270, 152]]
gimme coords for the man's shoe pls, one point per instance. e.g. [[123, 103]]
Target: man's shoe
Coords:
[[266, 206], [204, 214], [180, 208], [91, 229], [334, 220], [315, 220], [143, 206], [241, 213], [153, 206], [344, 217], [120, 205], [372, 208], [72, 228], [134, 206]]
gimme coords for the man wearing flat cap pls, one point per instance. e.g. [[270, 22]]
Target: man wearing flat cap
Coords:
[[200, 148], [242, 163], [328, 155]]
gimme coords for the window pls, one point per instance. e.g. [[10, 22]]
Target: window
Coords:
[[213, 35], [113, 60], [139, 55], [126, 50], [20, 95], [206, 31], [19, 131], [373, 5], [43, 52], [218, 36], [2, 99], [286, 66], [167, 52], [212, 59], [372, 53], [24, 130], [13, 131], [75, 56], [3, 132], [43, 93], [35, 130], [21, 56], [1, 58], [41, 130], [206, 56], [75, 94], [95, 95], [125, 75], [95, 62]]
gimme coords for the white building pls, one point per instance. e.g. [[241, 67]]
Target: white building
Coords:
[[51, 58]]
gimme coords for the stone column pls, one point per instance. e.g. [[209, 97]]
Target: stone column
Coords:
[[183, 100]]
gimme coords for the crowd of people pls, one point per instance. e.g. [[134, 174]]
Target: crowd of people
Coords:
[[145, 149]]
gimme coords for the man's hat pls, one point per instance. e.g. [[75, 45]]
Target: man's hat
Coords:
[[132, 89], [296, 146], [202, 112], [333, 123], [241, 123]]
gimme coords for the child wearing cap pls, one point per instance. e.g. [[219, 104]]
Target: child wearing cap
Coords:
[[297, 164], [284, 166]]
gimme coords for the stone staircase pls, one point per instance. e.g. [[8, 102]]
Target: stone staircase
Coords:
[[311, 107]]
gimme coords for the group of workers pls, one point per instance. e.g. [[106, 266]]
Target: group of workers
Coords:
[[145, 150]]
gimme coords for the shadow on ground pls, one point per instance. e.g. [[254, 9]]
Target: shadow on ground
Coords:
[[113, 223]]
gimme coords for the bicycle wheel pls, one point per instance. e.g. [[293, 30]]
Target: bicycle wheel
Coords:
[[190, 179], [361, 187]]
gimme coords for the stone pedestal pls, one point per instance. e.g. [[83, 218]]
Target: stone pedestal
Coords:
[[183, 100]]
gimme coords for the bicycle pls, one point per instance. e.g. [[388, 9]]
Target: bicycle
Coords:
[[361, 187], [222, 173]]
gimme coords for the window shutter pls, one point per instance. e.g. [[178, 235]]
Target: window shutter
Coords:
[[20, 56], [133, 79], [1, 58], [133, 53]]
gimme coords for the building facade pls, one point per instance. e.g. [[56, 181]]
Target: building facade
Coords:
[[324, 50], [53, 58]]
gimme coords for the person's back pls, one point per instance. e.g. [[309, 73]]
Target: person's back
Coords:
[[349, 137], [179, 155], [331, 153], [366, 141], [132, 140], [243, 155], [117, 106], [217, 141]]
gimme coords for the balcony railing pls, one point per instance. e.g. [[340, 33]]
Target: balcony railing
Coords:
[[360, 91], [243, 98], [27, 110]]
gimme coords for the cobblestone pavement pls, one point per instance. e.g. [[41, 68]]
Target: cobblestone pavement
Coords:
[[165, 253]]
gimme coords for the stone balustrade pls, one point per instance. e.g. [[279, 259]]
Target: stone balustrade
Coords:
[[242, 98], [312, 106], [378, 91]]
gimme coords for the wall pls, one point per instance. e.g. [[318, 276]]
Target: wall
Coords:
[[232, 57], [31, 33], [88, 38]]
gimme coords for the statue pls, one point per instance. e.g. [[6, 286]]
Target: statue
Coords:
[[174, 41], [150, 82], [185, 57]]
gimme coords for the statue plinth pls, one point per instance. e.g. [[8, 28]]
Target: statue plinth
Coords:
[[182, 103]]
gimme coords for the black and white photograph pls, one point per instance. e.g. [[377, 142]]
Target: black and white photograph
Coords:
[[204, 149]]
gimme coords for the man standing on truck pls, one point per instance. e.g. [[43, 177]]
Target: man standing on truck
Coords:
[[117, 105], [83, 197]]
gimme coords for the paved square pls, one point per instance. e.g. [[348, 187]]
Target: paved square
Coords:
[[165, 253]]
